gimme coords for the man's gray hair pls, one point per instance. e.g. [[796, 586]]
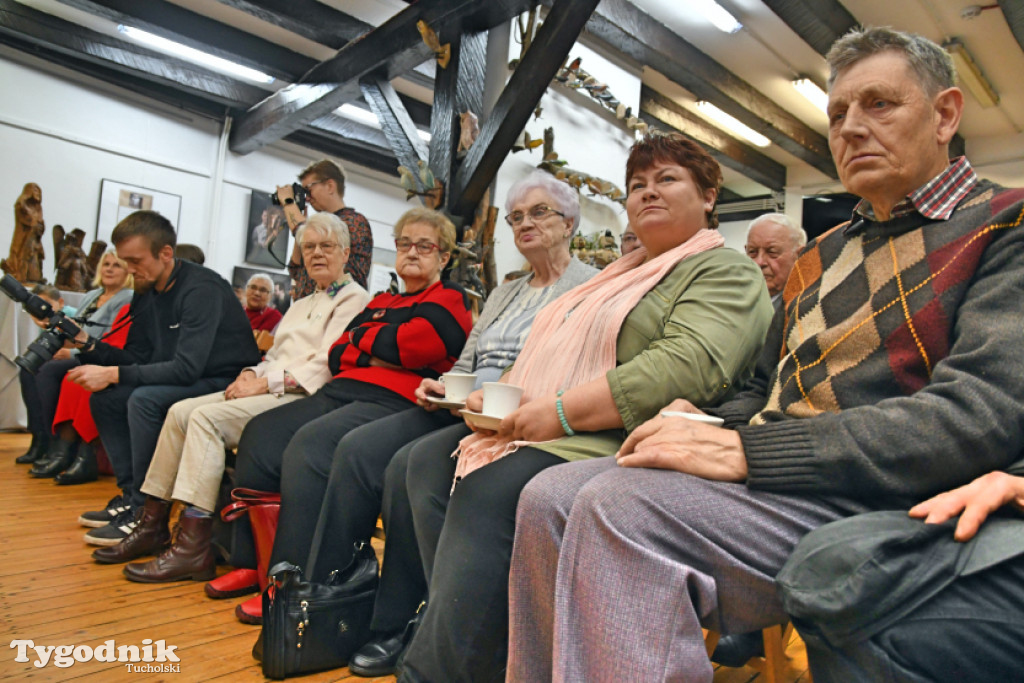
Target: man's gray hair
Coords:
[[932, 64], [796, 233], [262, 276], [328, 224], [564, 195]]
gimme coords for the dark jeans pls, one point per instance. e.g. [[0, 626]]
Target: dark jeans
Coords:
[[971, 631], [352, 501], [290, 449], [129, 420], [464, 633], [41, 392]]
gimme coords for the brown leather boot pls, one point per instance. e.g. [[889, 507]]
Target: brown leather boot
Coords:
[[149, 536], [190, 556]]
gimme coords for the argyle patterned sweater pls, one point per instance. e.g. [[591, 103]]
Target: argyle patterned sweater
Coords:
[[893, 368]]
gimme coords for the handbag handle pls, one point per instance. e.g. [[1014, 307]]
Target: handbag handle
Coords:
[[244, 498]]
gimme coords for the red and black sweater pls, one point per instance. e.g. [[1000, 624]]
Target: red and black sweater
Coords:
[[422, 332]]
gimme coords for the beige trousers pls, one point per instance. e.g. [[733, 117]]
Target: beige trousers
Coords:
[[188, 462]]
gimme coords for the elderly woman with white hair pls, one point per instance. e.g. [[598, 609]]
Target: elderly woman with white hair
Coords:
[[262, 317], [189, 459]]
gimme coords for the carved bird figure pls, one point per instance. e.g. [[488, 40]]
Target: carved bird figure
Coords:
[[408, 181], [426, 175], [469, 130], [443, 53]]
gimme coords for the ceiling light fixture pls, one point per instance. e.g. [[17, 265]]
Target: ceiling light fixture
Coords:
[[368, 118], [970, 75], [193, 55], [717, 15], [812, 92], [744, 131]]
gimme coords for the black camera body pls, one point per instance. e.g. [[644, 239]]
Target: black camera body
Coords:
[[300, 197], [59, 327]]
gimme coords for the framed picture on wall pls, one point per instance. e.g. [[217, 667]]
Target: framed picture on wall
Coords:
[[280, 298], [266, 232], [118, 200]]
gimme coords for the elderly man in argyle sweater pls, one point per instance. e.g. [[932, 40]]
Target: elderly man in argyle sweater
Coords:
[[892, 372]]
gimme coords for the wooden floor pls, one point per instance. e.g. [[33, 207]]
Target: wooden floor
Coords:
[[52, 593]]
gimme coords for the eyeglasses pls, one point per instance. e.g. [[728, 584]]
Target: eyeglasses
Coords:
[[309, 188], [309, 248], [422, 247], [536, 213], [257, 288]]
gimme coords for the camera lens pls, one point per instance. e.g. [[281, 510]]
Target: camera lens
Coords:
[[39, 351]]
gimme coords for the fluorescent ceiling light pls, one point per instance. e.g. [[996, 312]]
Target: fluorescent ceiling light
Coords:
[[368, 118], [716, 14], [715, 114], [812, 92], [193, 55], [970, 75]]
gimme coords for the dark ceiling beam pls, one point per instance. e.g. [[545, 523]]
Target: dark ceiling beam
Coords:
[[458, 89], [623, 28], [56, 35], [379, 160], [517, 101], [659, 111], [392, 49], [817, 22], [1013, 11], [308, 18], [195, 30], [399, 129]]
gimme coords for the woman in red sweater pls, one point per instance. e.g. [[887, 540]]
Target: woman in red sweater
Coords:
[[377, 365]]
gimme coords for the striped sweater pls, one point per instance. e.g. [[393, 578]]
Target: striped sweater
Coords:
[[421, 333]]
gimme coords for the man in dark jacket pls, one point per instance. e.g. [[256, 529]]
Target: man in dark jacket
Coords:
[[189, 336]]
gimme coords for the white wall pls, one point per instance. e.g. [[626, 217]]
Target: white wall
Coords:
[[67, 132]]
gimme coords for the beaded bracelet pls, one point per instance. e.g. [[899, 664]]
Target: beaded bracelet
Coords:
[[561, 416]]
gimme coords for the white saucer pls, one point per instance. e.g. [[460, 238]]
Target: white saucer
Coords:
[[481, 421], [442, 402]]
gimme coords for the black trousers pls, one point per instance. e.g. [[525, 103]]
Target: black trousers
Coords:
[[41, 392], [129, 420], [464, 633], [971, 631], [352, 500], [290, 449]]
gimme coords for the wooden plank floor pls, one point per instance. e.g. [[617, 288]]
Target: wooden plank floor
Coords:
[[51, 592]]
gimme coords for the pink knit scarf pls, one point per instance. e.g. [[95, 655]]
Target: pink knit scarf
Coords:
[[573, 338]]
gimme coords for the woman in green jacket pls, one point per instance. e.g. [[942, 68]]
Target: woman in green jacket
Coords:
[[680, 318]]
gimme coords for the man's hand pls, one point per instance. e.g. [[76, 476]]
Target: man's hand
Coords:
[[93, 377], [62, 354], [973, 502], [683, 445], [285, 192], [429, 387]]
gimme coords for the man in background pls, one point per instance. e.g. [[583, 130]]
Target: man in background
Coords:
[[773, 241]]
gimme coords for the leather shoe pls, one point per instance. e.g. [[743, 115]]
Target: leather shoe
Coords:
[[83, 469], [234, 584], [149, 536], [738, 649], [189, 557], [56, 461], [379, 657], [35, 451], [251, 611]]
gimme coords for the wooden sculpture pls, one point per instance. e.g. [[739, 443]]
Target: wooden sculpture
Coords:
[[96, 251], [25, 261], [72, 265]]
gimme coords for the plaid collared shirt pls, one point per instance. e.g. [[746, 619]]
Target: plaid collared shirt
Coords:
[[936, 199]]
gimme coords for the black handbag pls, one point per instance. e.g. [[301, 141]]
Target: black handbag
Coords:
[[315, 626]]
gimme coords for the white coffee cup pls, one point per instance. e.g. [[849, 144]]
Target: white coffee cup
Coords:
[[696, 417], [501, 399], [458, 385]]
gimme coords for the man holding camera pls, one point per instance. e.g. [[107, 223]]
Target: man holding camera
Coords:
[[324, 185], [188, 337]]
